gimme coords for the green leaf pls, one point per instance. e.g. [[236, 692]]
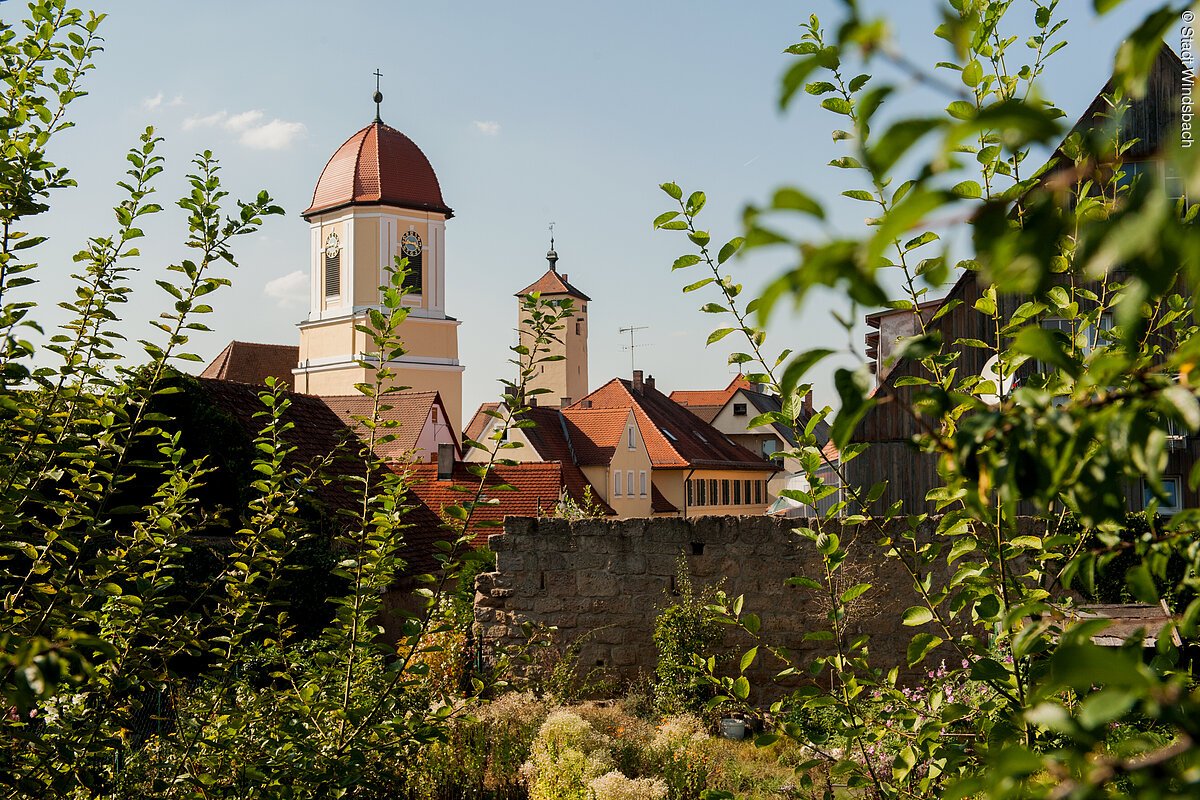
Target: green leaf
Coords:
[[970, 190], [921, 646], [718, 335], [855, 591], [972, 73], [748, 659], [1047, 346], [917, 615], [898, 139], [741, 688], [1184, 404], [791, 199], [800, 364], [673, 190], [664, 218]]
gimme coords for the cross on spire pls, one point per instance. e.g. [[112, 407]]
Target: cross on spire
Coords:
[[378, 94]]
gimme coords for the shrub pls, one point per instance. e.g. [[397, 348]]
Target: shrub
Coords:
[[566, 756], [683, 632], [615, 786]]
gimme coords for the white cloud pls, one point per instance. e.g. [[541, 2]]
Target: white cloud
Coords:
[[487, 127], [252, 132], [204, 122], [244, 120], [151, 103], [289, 291], [176, 101], [275, 135]]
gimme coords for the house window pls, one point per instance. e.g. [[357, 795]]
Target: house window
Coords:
[[700, 498], [724, 493], [712, 492], [629, 483], [746, 491], [333, 266], [737, 493], [632, 440], [617, 483], [434, 415], [691, 497], [1173, 503], [1176, 434], [642, 483], [578, 327], [769, 446], [758, 492], [739, 409]]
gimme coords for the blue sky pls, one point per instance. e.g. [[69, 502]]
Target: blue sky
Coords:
[[530, 112]]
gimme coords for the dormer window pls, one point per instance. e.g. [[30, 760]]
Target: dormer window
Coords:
[[739, 409], [333, 265]]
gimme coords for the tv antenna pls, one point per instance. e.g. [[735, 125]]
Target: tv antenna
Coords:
[[632, 346]]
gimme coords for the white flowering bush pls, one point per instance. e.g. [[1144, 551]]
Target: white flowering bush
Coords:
[[566, 756], [615, 786]]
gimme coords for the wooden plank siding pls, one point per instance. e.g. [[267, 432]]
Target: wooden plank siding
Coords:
[[890, 426]]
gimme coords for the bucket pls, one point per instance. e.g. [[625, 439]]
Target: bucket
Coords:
[[733, 728]]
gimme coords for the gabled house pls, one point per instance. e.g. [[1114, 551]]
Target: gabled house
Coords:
[[890, 430], [644, 454]]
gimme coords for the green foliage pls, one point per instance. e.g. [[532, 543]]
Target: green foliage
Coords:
[[182, 615], [684, 632], [1084, 281]]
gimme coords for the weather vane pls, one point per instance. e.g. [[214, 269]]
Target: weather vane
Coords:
[[378, 94], [551, 255]]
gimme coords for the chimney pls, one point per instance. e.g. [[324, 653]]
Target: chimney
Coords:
[[650, 382], [532, 401], [445, 461], [808, 403], [563, 402], [637, 381]]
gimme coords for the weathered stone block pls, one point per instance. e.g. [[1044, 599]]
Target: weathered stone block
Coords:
[[596, 583]]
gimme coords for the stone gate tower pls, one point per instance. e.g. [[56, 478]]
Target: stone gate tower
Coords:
[[567, 379]]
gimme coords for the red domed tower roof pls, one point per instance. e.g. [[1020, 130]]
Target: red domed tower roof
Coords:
[[378, 165]]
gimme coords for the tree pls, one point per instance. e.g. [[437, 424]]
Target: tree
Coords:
[[100, 511], [1043, 711]]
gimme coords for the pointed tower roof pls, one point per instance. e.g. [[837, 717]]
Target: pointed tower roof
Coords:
[[378, 165], [553, 282]]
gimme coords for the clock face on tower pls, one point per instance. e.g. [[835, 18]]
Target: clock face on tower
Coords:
[[410, 244], [333, 246]]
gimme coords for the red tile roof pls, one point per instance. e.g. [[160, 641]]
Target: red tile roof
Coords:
[[553, 282], [674, 437], [660, 504], [478, 422], [253, 362], [316, 432], [556, 439], [595, 433], [538, 487], [706, 397], [411, 410], [379, 165]]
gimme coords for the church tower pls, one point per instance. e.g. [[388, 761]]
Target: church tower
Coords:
[[378, 198], [567, 379]]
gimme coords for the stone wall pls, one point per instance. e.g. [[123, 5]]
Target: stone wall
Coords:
[[604, 581]]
